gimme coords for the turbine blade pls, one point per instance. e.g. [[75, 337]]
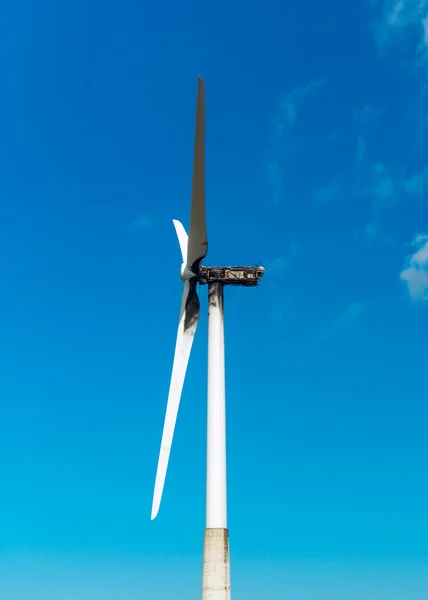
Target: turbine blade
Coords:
[[189, 316], [198, 244], [182, 238]]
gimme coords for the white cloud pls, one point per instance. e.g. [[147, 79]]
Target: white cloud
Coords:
[[416, 273]]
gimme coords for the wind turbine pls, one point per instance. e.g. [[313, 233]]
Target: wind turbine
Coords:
[[194, 247]]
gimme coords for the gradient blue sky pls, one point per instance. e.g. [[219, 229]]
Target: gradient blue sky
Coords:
[[317, 166]]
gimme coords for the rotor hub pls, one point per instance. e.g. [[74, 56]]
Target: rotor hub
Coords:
[[186, 273]]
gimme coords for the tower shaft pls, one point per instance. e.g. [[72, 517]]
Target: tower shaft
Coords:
[[216, 512], [216, 565]]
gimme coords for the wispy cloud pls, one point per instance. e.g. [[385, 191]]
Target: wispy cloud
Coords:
[[282, 306], [418, 182], [386, 185], [277, 264], [399, 16], [347, 319], [290, 103], [142, 223], [349, 316], [365, 115], [361, 151], [402, 26], [383, 187], [332, 191], [415, 274], [373, 232], [284, 142], [275, 179], [281, 311], [364, 118], [281, 263], [363, 178], [373, 181]]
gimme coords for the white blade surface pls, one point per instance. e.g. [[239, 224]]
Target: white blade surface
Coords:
[[182, 238], [198, 244], [183, 347]]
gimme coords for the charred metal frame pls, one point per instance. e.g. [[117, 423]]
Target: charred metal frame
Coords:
[[246, 276]]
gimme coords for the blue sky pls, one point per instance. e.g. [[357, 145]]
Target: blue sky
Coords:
[[317, 166]]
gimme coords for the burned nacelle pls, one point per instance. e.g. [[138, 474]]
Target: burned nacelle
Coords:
[[247, 276]]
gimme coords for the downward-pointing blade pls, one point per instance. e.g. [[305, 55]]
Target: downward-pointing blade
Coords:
[[189, 316], [198, 243]]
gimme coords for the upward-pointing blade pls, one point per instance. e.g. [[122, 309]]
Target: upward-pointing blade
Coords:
[[198, 244], [189, 316]]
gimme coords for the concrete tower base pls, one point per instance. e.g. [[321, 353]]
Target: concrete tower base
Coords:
[[216, 569]]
